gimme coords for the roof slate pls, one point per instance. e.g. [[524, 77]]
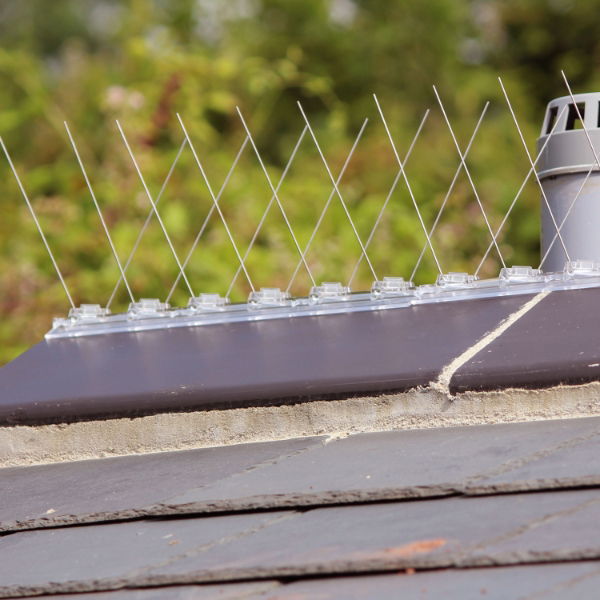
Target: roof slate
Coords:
[[539, 582], [436, 503], [305, 472], [482, 531]]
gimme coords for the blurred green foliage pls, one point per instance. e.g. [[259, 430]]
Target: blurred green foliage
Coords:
[[143, 61]]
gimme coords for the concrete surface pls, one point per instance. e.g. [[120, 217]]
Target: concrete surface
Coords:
[[416, 409]]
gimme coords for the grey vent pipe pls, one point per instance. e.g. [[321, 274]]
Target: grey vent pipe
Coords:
[[563, 168]]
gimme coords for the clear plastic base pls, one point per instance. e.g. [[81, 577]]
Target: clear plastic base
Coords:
[[325, 299]]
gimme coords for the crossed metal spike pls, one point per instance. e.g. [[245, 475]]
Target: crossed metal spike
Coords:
[[267, 209], [95, 201], [326, 206], [209, 215], [450, 190], [215, 202], [337, 191], [275, 194], [408, 186], [522, 137], [37, 223], [146, 224], [532, 170], [388, 197], [468, 174], [154, 208], [589, 139], [518, 194]]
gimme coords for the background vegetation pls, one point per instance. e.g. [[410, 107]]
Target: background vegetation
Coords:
[[142, 61]]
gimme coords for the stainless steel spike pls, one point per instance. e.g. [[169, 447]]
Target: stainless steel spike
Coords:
[[98, 210], [587, 135], [524, 143], [267, 209], [337, 191], [37, 223], [450, 190], [388, 197], [277, 200], [468, 173], [519, 191], [585, 129], [146, 223], [215, 202], [209, 215], [326, 206], [408, 186], [153, 204]]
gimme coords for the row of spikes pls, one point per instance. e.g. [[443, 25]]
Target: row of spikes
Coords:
[[334, 195]]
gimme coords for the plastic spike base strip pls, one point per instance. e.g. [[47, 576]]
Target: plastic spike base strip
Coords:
[[326, 299]]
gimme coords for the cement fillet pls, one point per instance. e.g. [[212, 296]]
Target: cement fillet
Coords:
[[420, 408]]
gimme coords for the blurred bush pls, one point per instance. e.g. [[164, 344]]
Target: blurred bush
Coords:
[[142, 62]]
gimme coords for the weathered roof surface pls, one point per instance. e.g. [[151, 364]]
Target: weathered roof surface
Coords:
[[547, 582], [491, 511]]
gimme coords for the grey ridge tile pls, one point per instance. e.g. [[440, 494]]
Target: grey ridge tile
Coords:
[[282, 360], [556, 342]]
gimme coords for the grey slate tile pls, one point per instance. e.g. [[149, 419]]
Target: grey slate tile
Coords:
[[490, 530], [535, 582], [77, 558], [532, 582], [579, 588], [555, 342], [122, 487], [286, 359], [567, 531], [571, 462], [227, 591], [443, 532], [404, 464], [540, 582], [304, 472]]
